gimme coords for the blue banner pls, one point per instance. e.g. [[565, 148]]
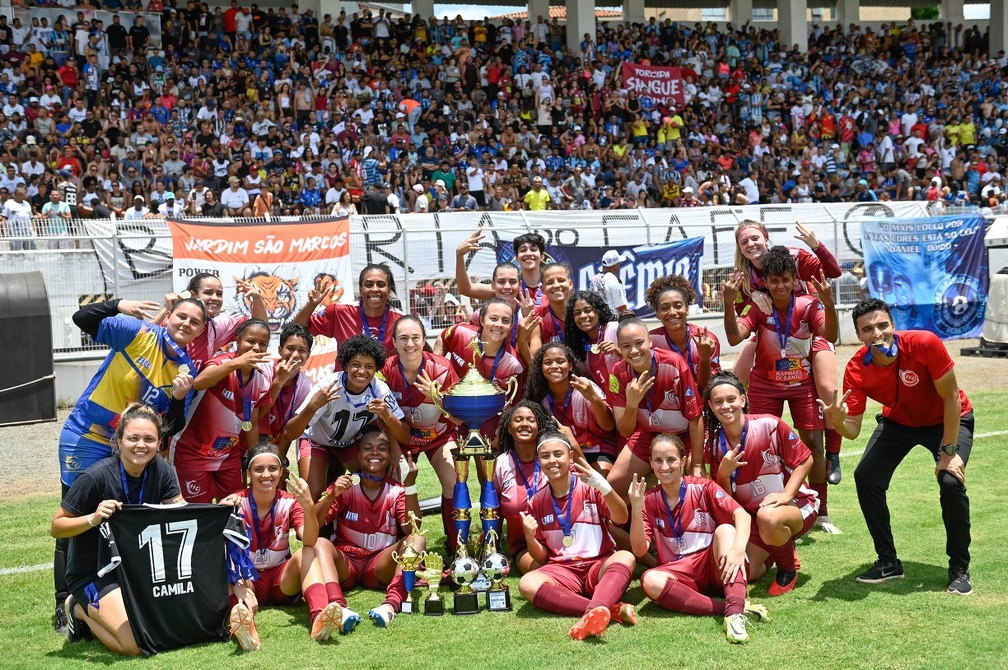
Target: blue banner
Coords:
[[639, 266], [932, 272]]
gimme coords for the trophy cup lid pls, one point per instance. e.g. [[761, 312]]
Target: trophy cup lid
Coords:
[[473, 385]]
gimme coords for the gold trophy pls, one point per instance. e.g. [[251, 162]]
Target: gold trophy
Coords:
[[464, 570], [433, 568], [496, 567], [409, 560]]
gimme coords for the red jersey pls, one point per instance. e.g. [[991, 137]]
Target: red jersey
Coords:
[[905, 387], [364, 527], [426, 422], [575, 411], [661, 340], [272, 422], [219, 332], [672, 401], [460, 343], [809, 265], [771, 450], [516, 482], [213, 431], [600, 364], [686, 526], [270, 545], [782, 354], [551, 326], [341, 322], [588, 523]]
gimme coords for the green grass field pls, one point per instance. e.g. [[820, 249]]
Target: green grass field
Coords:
[[829, 621]]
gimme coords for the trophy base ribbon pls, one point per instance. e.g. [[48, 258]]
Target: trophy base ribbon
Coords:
[[499, 600], [467, 603]]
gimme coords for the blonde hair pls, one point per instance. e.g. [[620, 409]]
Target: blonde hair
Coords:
[[743, 264]]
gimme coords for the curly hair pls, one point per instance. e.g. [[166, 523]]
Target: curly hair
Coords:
[[712, 425], [779, 262], [543, 420], [662, 285], [575, 338], [536, 386], [361, 345]]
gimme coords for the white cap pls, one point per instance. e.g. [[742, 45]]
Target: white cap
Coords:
[[688, 189], [440, 182], [418, 188], [610, 258]]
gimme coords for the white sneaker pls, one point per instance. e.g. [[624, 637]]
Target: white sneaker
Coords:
[[735, 628], [758, 612], [827, 526]]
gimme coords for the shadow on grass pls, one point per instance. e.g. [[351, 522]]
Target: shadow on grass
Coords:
[[96, 653], [920, 577]]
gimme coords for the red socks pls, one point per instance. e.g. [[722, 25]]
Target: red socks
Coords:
[[833, 441], [395, 593], [734, 602], [821, 489], [784, 556], [315, 596], [558, 600], [335, 594], [678, 597], [612, 586]]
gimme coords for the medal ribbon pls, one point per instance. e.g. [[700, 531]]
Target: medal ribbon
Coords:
[[784, 330], [676, 519], [126, 490], [529, 488], [367, 326], [564, 521], [724, 448], [256, 523]]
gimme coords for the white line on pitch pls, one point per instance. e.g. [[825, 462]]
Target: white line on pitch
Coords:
[[26, 568], [852, 454]]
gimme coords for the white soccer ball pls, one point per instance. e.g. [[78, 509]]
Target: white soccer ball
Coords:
[[496, 567], [464, 570], [959, 305]]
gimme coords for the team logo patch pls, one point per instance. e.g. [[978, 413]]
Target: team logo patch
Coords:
[[700, 518], [719, 494], [351, 516], [547, 519], [193, 488], [909, 378], [770, 459], [792, 436], [71, 463], [590, 511], [660, 522]]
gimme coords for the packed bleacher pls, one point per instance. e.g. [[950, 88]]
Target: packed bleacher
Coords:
[[241, 111]]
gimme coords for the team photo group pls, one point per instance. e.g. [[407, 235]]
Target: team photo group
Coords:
[[616, 452]]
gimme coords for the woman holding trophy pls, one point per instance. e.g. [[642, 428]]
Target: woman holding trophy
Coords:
[[567, 532], [517, 475], [410, 374], [371, 514]]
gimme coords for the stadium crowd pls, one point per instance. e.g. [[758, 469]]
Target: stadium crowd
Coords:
[[242, 111]]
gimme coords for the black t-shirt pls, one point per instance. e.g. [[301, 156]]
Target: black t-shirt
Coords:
[[216, 209], [375, 202], [140, 36], [173, 571], [116, 36], [103, 481]]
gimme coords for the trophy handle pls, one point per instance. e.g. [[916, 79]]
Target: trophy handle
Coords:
[[512, 391], [395, 557], [436, 397]]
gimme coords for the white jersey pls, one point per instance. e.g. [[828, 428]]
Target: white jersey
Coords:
[[340, 422]]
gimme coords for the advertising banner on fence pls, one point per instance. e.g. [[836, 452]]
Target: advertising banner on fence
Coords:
[[932, 272], [663, 84], [639, 266], [282, 261]]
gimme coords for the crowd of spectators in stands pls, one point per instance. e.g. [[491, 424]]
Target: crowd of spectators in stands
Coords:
[[243, 111]]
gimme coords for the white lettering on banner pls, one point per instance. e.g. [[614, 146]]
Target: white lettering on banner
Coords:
[[228, 247], [655, 87], [324, 243]]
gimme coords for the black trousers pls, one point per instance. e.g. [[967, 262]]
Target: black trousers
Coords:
[[888, 446]]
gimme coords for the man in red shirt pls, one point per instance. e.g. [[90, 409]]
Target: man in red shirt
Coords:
[[911, 374]]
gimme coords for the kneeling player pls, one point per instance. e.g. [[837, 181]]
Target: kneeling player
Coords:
[[369, 517], [701, 535], [567, 531], [269, 515]]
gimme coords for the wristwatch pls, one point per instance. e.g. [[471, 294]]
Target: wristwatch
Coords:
[[950, 449]]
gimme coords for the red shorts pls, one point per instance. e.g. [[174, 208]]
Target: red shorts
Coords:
[[767, 398], [267, 587], [200, 484], [809, 516], [419, 445], [361, 570], [700, 572], [640, 443], [311, 449], [579, 577]]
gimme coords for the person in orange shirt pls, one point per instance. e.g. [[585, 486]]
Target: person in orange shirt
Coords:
[[412, 109]]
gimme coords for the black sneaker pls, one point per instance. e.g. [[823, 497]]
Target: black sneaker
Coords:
[[76, 630], [834, 475], [959, 583], [882, 571], [60, 620]]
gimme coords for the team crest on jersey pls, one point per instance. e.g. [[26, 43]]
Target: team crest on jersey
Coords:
[[803, 328], [700, 518], [792, 436], [279, 532], [719, 494], [671, 399], [547, 519], [580, 417], [71, 463], [909, 378], [770, 458], [390, 402], [591, 511]]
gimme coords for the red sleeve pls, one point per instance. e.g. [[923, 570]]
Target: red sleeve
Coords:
[[400, 510], [297, 517], [218, 360], [752, 317], [648, 515], [721, 505], [816, 315], [828, 262], [794, 450], [334, 511], [689, 399], [937, 357], [858, 400], [616, 391], [323, 322]]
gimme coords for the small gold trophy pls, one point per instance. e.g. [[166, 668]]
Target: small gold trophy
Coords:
[[496, 567], [464, 570], [409, 560], [434, 566]]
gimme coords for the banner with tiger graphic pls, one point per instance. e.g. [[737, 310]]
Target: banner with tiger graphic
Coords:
[[281, 260]]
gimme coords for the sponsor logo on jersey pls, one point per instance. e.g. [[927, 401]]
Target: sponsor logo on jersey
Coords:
[[590, 511], [909, 378], [660, 522], [71, 463], [143, 362], [228, 394], [547, 519], [350, 516]]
